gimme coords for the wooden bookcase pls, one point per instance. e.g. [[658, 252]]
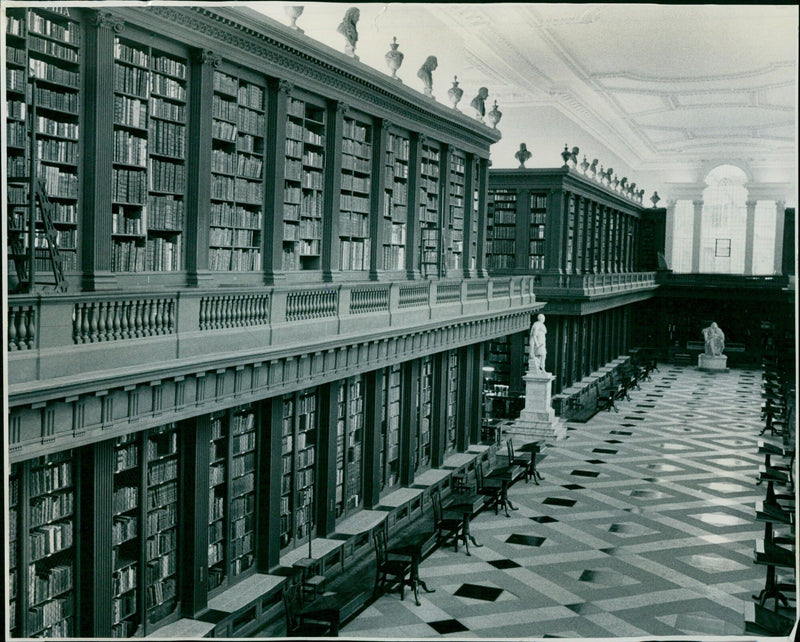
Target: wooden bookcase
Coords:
[[455, 222], [14, 567], [149, 158], [237, 170], [49, 561], [241, 537], [395, 204], [389, 457], [451, 405], [501, 229], [304, 185], [349, 494], [422, 458], [355, 190], [429, 210], [43, 83], [538, 224], [218, 451], [126, 537], [298, 454]]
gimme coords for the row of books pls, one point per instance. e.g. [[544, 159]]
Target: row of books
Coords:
[[354, 255], [125, 498], [352, 203], [355, 183], [234, 259], [123, 581], [167, 138], [165, 176], [51, 478], [61, 100], [162, 495], [51, 48], [50, 538], [216, 474], [225, 83], [229, 215], [394, 234], [124, 528], [354, 131], [353, 148], [355, 164], [221, 236], [62, 129], [161, 543], [353, 224], [17, 136], [37, 23], [394, 257], [50, 507], [161, 471], [52, 73], [15, 80]]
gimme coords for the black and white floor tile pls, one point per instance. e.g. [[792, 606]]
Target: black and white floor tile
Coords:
[[644, 525]]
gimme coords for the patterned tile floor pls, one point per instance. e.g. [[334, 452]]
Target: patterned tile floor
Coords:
[[644, 525]]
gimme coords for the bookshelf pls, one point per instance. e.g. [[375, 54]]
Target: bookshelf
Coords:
[[422, 459], [392, 474], [349, 446], [499, 358], [304, 185], [237, 168], [451, 401], [43, 82], [51, 547], [126, 541], [149, 159], [395, 203], [501, 229], [430, 232], [570, 234], [458, 195], [162, 510], [218, 447], [298, 454], [538, 220], [13, 550], [354, 203], [243, 489]]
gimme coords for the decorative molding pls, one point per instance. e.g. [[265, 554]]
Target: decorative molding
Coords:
[[208, 57], [105, 20], [286, 374], [285, 86]]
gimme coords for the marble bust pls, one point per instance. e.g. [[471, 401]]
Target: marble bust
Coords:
[[715, 340], [538, 346]]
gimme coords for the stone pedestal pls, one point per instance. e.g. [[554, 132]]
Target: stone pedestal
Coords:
[[709, 362], [538, 419]]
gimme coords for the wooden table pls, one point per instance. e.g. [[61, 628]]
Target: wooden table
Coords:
[[533, 448], [466, 505], [414, 546], [506, 475], [334, 608]]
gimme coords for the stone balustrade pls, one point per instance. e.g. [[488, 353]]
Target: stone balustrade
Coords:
[[595, 284], [53, 336]]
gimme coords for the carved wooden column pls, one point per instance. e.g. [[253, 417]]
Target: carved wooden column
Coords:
[[409, 418], [377, 223], [697, 238], [373, 410], [333, 184], [96, 244], [198, 166], [278, 94]]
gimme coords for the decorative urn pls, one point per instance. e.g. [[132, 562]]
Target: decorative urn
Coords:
[[394, 58], [455, 93], [566, 155], [294, 11], [584, 164], [494, 116]]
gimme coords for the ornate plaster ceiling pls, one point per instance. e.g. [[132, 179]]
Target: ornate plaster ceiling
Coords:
[[663, 90]]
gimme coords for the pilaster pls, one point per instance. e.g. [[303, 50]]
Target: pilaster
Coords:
[[697, 236], [333, 182], [749, 235], [780, 220], [413, 225], [377, 223], [670, 233], [483, 189], [96, 240]]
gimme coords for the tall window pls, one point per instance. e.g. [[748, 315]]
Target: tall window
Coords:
[[682, 237], [722, 244], [764, 238]]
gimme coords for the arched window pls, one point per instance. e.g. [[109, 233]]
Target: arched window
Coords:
[[722, 243]]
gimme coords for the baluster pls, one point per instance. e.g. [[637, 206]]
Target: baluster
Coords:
[[144, 312], [159, 317], [124, 325], [86, 326], [202, 318], [101, 321], [115, 320], [22, 328], [247, 305], [12, 329], [216, 313], [77, 321], [30, 318], [227, 311], [264, 308], [138, 322], [152, 326], [171, 316], [93, 322]]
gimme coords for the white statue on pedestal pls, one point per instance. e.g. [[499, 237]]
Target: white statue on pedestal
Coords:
[[715, 340], [537, 346]]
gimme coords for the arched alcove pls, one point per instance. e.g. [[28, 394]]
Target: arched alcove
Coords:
[[724, 225]]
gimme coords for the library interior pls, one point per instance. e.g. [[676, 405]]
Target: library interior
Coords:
[[306, 339]]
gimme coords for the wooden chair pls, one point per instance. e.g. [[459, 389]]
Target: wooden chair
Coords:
[[297, 626], [447, 527], [491, 489], [390, 570], [606, 401], [526, 461]]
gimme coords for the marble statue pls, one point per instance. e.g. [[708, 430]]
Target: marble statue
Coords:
[[348, 28], [425, 74], [538, 346], [715, 340], [478, 103]]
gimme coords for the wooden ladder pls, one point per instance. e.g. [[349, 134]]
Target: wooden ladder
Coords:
[[18, 233]]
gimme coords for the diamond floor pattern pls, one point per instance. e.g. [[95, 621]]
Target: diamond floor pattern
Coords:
[[622, 554]]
